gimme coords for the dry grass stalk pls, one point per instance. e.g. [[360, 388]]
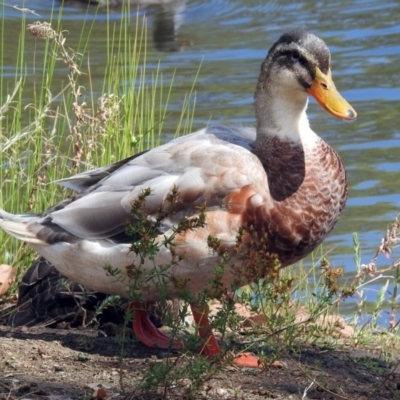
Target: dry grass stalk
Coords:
[[84, 141]]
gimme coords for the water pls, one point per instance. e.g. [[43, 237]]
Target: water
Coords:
[[231, 38]]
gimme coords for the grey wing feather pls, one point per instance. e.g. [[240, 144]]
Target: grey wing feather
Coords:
[[86, 179], [194, 163]]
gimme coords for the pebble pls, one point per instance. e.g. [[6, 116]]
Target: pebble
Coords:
[[82, 357]]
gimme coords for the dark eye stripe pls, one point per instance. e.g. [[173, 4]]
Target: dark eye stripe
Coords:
[[290, 57]]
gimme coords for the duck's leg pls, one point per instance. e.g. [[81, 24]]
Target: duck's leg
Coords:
[[147, 333], [210, 347]]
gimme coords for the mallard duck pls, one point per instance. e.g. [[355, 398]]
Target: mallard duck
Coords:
[[165, 17], [278, 180], [43, 301]]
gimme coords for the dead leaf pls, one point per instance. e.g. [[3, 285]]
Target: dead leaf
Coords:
[[7, 277], [337, 324], [43, 352], [99, 393]]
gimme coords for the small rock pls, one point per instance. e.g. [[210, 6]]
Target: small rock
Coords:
[[82, 357], [110, 329], [43, 352], [222, 392]]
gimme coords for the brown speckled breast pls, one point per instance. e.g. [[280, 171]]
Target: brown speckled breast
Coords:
[[309, 191]]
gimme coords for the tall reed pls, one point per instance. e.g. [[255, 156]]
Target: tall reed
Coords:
[[54, 124]]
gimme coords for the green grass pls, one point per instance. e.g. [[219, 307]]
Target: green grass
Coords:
[[63, 128]]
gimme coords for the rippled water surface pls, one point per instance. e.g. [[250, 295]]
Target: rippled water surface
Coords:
[[230, 39]]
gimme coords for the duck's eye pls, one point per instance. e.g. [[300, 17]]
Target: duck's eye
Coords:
[[295, 55]]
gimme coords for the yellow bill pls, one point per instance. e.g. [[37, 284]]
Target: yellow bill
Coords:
[[324, 91]]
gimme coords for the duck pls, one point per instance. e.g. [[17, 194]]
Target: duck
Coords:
[[277, 188], [165, 17], [42, 301]]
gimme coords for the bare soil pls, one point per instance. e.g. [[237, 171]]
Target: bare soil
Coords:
[[58, 364]]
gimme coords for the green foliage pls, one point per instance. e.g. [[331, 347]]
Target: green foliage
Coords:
[[61, 128]]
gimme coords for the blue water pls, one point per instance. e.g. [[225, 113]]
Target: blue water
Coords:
[[231, 38]]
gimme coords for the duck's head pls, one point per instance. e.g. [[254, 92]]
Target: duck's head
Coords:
[[300, 62]]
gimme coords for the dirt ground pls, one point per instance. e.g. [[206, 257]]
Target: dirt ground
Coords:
[[58, 364]]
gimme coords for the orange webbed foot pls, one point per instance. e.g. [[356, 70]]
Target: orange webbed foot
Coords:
[[147, 332], [149, 335]]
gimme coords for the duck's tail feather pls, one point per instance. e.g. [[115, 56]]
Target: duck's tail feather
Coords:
[[20, 226]]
